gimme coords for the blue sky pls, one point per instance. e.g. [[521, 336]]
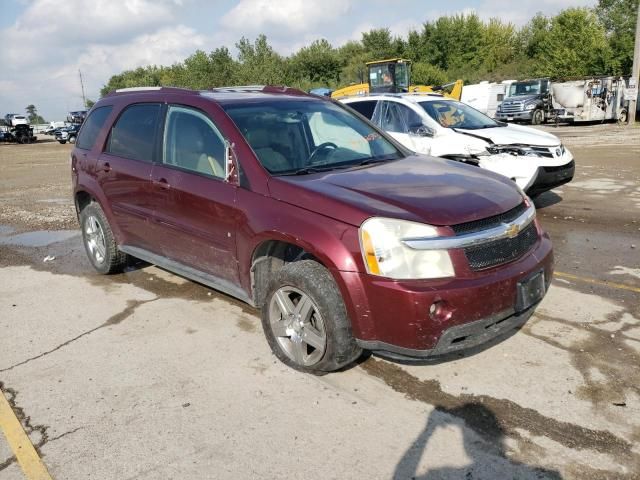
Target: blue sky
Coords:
[[45, 42]]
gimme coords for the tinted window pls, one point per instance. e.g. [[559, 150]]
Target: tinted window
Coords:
[[133, 135], [191, 141], [364, 108], [92, 127]]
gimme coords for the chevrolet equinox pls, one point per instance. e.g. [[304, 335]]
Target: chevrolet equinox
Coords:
[[299, 206]]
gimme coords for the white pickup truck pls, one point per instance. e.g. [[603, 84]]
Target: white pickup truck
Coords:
[[439, 126]]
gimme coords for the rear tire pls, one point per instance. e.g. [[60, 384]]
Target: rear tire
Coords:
[[99, 241], [305, 320]]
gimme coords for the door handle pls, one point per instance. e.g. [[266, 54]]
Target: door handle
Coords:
[[162, 183], [106, 167]]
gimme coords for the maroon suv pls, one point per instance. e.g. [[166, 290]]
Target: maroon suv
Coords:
[[299, 206]]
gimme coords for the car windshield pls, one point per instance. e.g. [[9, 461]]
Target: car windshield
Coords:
[[519, 89], [308, 136], [452, 114]]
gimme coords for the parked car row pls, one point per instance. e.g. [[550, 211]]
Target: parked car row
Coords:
[[344, 238]]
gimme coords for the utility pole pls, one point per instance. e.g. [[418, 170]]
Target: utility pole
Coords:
[[84, 100], [635, 70]]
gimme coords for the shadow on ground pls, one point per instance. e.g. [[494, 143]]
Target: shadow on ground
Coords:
[[476, 416]]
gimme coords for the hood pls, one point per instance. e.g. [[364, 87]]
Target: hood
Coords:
[[515, 134], [418, 188], [521, 98]]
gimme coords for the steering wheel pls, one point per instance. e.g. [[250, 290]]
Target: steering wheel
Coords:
[[322, 146]]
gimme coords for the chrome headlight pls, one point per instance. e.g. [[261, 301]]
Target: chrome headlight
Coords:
[[386, 255], [531, 106]]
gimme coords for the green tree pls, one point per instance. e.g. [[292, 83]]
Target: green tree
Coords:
[[378, 44], [619, 19], [318, 63], [33, 116], [426, 74], [576, 45], [89, 103], [259, 64]]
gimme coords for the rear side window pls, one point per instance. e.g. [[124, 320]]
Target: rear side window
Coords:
[[92, 127], [364, 108], [133, 135]]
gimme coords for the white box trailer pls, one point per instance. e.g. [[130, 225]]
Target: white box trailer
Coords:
[[592, 99], [485, 96]]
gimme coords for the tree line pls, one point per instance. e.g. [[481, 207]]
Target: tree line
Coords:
[[576, 42]]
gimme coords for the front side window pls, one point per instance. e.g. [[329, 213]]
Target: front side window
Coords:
[[305, 136], [395, 117], [92, 127], [133, 135], [453, 114], [192, 142]]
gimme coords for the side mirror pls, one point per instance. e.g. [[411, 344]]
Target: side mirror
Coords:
[[421, 131]]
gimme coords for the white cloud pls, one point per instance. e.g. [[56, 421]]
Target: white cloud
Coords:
[[101, 38], [287, 16]]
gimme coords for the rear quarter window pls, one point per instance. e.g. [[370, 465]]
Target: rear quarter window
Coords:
[[134, 133], [92, 127]]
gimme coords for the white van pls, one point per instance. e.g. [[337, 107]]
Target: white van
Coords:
[[439, 126]]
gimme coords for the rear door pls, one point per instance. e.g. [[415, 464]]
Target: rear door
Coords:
[[364, 107], [124, 172], [196, 210]]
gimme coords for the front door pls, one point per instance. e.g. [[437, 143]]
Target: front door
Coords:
[[196, 211], [403, 124]]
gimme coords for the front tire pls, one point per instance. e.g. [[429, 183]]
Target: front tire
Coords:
[[99, 241], [537, 117], [62, 142], [305, 320]]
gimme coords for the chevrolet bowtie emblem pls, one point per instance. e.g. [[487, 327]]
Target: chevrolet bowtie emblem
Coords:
[[513, 230]]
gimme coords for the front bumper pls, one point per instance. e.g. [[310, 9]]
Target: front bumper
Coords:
[[524, 115], [459, 337], [551, 177], [394, 316]]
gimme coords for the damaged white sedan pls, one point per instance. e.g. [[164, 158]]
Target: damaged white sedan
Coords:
[[435, 125]]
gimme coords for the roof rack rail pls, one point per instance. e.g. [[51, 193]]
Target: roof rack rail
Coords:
[[257, 88], [135, 89], [127, 90]]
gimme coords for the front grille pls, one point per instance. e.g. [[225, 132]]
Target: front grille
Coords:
[[559, 168], [501, 251], [489, 222], [543, 151], [512, 107]]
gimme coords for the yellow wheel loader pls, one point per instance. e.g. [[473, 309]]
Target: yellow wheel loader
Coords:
[[393, 76]]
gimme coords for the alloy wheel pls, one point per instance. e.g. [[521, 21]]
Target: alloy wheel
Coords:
[[297, 326]]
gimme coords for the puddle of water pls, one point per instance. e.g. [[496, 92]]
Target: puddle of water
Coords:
[[6, 230], [40, 238]]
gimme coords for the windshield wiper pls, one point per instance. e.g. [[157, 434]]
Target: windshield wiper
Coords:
[[309, 170], [371, 161]]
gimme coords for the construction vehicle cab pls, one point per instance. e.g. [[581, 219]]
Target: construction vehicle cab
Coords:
[[389, 76], [394, 76]]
